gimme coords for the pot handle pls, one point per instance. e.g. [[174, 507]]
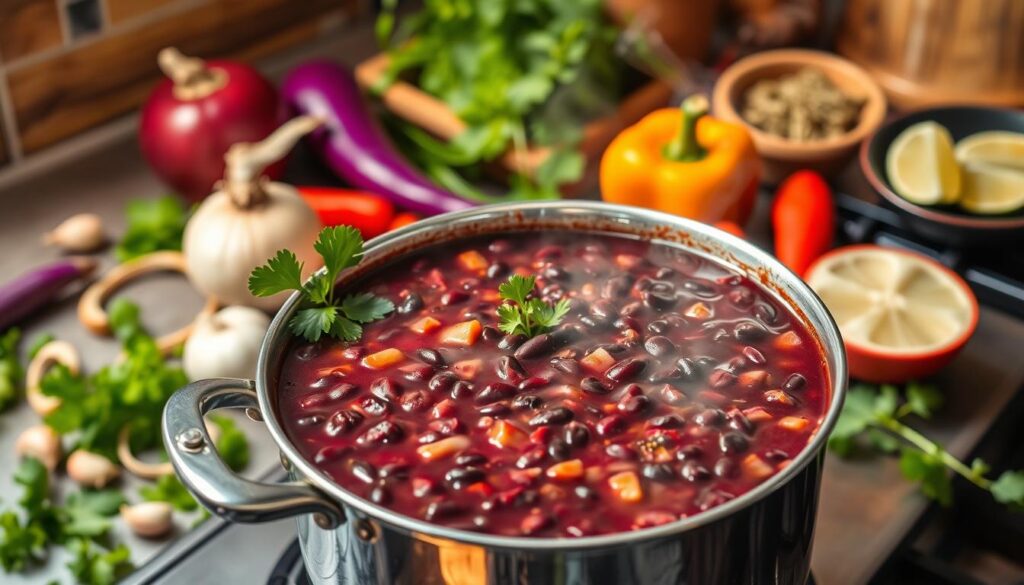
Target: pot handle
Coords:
[[210, 480]]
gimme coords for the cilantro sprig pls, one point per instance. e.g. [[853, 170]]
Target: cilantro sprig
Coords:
[[10, 367], [522, 314], [872, 419], [322, 311]]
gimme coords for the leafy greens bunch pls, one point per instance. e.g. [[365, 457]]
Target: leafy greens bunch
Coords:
[[873, 419], [153, 224], [512, 71]]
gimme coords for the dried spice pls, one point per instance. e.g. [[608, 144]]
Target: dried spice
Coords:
[[803, 106]]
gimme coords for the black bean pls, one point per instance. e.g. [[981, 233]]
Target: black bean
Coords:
[[461, 389], [380, 495], [363, 471], [511, 342], [383, 433], [584, 493], [416, 401], [612, 424], [626, 369], [394, 470], [658, 471], [552, 416], [632, 309], [721, 379], [659, 301], [374, 406], [665, 375], [794, 383], [497, 269], [776, 455], [693, 471], [662, 287], [454, 297], [700, 288], [491, 334], [688, 369], [569, 366], [417, 372], [443, 509], [565, 334], [386, 389], [307, 351], [531, 458], [467, 459], [533, 382], [766, 314], [725, 468], [711, 417], [527, 402], [310, 421], [732, 443], [689, 453], [494, 392], [740, 297], [549, 252], [671, 395], [739, 422], [617, 286], [442, 381], [499, 245], [594, 386], [555, 273], [667, 421], [748, 331], [619, 451], [431, 356], [643, 283], [535, 347], [498, 409], [558, 449], [460, 477], [659, 345], [576, 434], [410, 304], [754, 356], [634, 404], [664, 273], [509, 369]]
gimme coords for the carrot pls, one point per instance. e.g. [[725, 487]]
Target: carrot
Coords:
[[465, 333], [425, 325], [383, 358]]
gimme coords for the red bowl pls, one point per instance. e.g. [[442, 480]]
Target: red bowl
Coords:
[[897, 366]]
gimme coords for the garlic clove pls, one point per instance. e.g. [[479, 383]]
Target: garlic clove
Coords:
[[148, 519], [88, 469], [79, 233], [41, 442]]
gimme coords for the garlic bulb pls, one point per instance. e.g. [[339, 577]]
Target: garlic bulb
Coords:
[[225, 344], [40, 442], [148, 519], [237, 228], [79, 233], [88, 469]]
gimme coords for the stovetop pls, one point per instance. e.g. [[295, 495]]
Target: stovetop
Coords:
[[975, 543]]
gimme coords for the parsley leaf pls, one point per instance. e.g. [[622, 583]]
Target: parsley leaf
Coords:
[[923, 399], [92, 565], [1009, 489], [930, 471], [527, 316], [87, 513], [20, 544], [170, 489], [10, 367], [321, 313], [153, 224], [516, 288]]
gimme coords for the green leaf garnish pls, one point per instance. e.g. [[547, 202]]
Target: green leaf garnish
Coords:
[[153, 224], [10, 367], [321, 313], [528, 316]]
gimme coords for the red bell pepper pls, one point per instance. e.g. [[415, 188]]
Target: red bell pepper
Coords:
[[370, 214], [731, 227], [804, 220]]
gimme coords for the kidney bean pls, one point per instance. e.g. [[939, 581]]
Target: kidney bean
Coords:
[[658, 471], [634, 404], [725, 468], [446, 426], [509, 369], [383, 433], [331, 453], [555, 273], [659, 346], [410, 304], [721, 378], [617, 286], [689, 453], [535, 347], [576, 434], [427, 438], [552, 416], [658, 301], [531, 458], [494, 392], [693, 471], [626, 369], [380, 495], [363, 471], [689, 370], [536, 522], [666, 421], [794, 383], [307, 352], [732, 443], [671, 395], [461, 389], [443, 509], [665, 375], [558, 449], [466, 459], [776, 455], [741, 423], [620, 451], [416, 401], [594, 386], [393, 471], [498, 409], [454, 297], [417, 372], [527, 402], [550, 252], [511, 342], [343, 421], [442, 381], [568, 366], [754, 356], [386, 389], [460, 477], [711, 417], [749, 331], [374, 406], [612, 424], [309, 421]]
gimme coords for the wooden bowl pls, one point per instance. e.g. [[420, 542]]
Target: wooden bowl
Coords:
[[948, 224], [781, 156]]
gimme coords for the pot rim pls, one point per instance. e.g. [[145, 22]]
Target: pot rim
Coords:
[[763, 267]]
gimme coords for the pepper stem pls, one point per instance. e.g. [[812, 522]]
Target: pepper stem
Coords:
[[684, 147]]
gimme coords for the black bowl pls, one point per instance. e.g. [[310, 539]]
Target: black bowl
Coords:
[[945, 224]]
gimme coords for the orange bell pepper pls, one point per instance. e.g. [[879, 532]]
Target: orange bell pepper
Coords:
[[691, 165]]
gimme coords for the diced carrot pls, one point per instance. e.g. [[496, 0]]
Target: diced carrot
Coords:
[[566, 470], [627, 261], [425, 325], [588, 291], [598, 360], [779, 397], [436, 279], [788, 340], [698, 311], [793, 423], [467, 369], [626, 486], [473, 261], [753, 378], [444, 448], [757, 414], [755, 468], [506, 435], [481, 487], [465, 333], [383, 358], [490, 296], [524, 476]]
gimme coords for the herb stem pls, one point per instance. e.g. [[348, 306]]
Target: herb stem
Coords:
[[926, 445]]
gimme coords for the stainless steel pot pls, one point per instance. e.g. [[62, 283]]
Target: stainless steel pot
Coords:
[[762, 537]]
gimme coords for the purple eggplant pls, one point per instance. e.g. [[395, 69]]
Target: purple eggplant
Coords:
[[24, 295], [352, 144]]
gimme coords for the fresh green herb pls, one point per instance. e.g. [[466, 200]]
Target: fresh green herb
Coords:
[[153, 224], [170, 489], [521, 314], [232, 446], [38, 344], [87, 514], [322, 311], [129, 392], [512, 71], [93, 565], [10, 367], [873, 419]]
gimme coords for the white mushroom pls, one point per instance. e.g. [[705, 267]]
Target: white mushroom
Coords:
[[41, 442], [148, 519], [88, 469], [79, 233]]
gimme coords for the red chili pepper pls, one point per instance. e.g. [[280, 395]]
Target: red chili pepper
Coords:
[[731, 227], [370, 214], [804, 220], [403, 219]]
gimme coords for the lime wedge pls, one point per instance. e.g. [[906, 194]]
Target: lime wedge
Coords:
[[921, 165], [991, 189], [996, 147]]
